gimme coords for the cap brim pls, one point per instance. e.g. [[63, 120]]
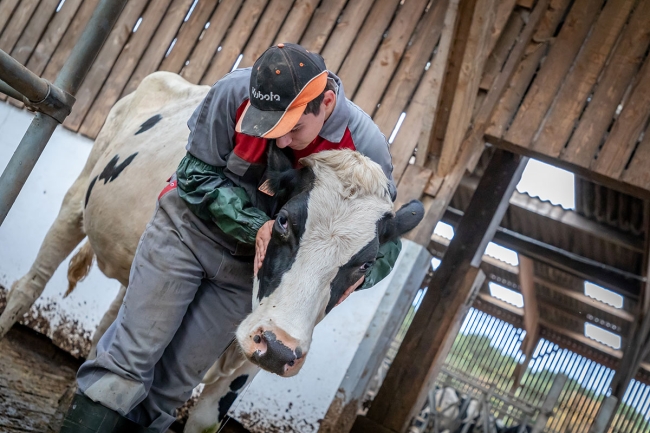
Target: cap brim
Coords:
[[275, 124], [268, 124]]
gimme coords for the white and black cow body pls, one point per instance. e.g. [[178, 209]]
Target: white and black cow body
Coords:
[[333, 214]]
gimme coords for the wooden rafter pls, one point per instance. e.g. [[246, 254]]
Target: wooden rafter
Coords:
[[614, 279]]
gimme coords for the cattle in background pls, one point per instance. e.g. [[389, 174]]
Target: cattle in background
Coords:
[[334, 214], [456, 413]]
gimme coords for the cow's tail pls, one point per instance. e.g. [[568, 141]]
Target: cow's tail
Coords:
[[79, 266]]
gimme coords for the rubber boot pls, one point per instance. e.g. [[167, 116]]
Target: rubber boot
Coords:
[[86, 416]]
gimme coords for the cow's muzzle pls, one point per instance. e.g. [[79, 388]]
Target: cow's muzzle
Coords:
[[279, 354]]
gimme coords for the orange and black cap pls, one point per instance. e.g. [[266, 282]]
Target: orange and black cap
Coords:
[[284, 80]]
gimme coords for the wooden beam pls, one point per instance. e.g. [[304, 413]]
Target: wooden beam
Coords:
[[531, 317], [579, 338], [426, 345], [569, 217], [457, 28], [508, 276], [607, 181], [443, 187], [438, 73], [469, 77], [531, 311], [614, 279]]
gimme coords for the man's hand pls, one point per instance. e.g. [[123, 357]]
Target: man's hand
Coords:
[[261, 242], [351, 289]]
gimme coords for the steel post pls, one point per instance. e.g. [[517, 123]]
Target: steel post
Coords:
[[69, 79]]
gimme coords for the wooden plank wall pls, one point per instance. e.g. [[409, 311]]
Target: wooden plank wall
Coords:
[[382, 49], [581, 99]]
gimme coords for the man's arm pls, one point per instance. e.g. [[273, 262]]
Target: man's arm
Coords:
[[212, 196]]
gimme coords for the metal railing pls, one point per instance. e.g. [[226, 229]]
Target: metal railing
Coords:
[[52, 102]]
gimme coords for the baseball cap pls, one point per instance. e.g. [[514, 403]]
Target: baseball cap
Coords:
[[284, 79]]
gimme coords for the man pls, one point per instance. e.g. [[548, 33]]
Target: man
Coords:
[[191, 278]]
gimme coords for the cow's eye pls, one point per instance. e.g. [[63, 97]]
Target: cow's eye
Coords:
[[282, 223], [366, 266]]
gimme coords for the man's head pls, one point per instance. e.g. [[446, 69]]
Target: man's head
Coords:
[[290, 97]]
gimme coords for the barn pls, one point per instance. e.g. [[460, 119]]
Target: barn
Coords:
[[508, 309]]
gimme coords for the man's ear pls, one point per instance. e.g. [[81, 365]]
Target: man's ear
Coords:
[[405, 219]]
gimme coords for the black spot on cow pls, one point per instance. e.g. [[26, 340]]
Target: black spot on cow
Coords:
[[113, 169], [109, 173], [149, 123], [238, 383], [224, 404], [90, 188]]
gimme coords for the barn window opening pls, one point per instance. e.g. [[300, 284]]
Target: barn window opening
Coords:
[[548, 183], [506, 295], [444, 230], [171, 47], [435, 263], [189, 12], [603, 295], [502, 253], [602, 336], [137, 24], [493, 250], [60, 5], [396, 128], [207, 25], [237, 62]]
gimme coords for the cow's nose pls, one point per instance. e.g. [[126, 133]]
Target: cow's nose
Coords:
[[279, 354]]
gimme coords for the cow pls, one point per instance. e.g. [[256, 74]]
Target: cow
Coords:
[[334, 213]]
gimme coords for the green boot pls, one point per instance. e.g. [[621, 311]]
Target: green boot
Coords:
[[86, 416]]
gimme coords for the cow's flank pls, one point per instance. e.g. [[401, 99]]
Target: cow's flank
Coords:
[[110, 172], [149, 123]]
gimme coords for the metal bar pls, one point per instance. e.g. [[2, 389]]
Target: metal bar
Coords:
[[69, 79], [22, 79], [549, 403], [604, 414], [10, 91]]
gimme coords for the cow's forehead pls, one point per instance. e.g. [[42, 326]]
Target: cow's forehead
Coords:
[[339, 225]]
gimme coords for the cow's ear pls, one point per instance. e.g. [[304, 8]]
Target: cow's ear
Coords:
[[283, 178], [405, 219]]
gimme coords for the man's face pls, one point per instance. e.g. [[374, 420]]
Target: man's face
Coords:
[[305, 131], [309, 125]]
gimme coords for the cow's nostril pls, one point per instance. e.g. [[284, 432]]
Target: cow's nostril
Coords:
[[257, 339], [291, 363]]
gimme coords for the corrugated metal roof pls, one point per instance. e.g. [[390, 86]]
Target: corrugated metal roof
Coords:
[[608, 206], [544, 222]]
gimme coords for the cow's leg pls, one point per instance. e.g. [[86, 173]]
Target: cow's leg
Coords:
[[64, 235], [223, 383], [107, 319]]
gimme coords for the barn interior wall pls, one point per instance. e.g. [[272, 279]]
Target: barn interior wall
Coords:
[[72, 320]]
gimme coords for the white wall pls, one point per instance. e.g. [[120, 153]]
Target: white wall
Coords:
[[32, 214]]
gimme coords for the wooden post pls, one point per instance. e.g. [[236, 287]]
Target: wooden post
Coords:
[[425, 345], [531, 316]]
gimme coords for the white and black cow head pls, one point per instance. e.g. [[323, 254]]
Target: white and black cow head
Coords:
[[325, 238]]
